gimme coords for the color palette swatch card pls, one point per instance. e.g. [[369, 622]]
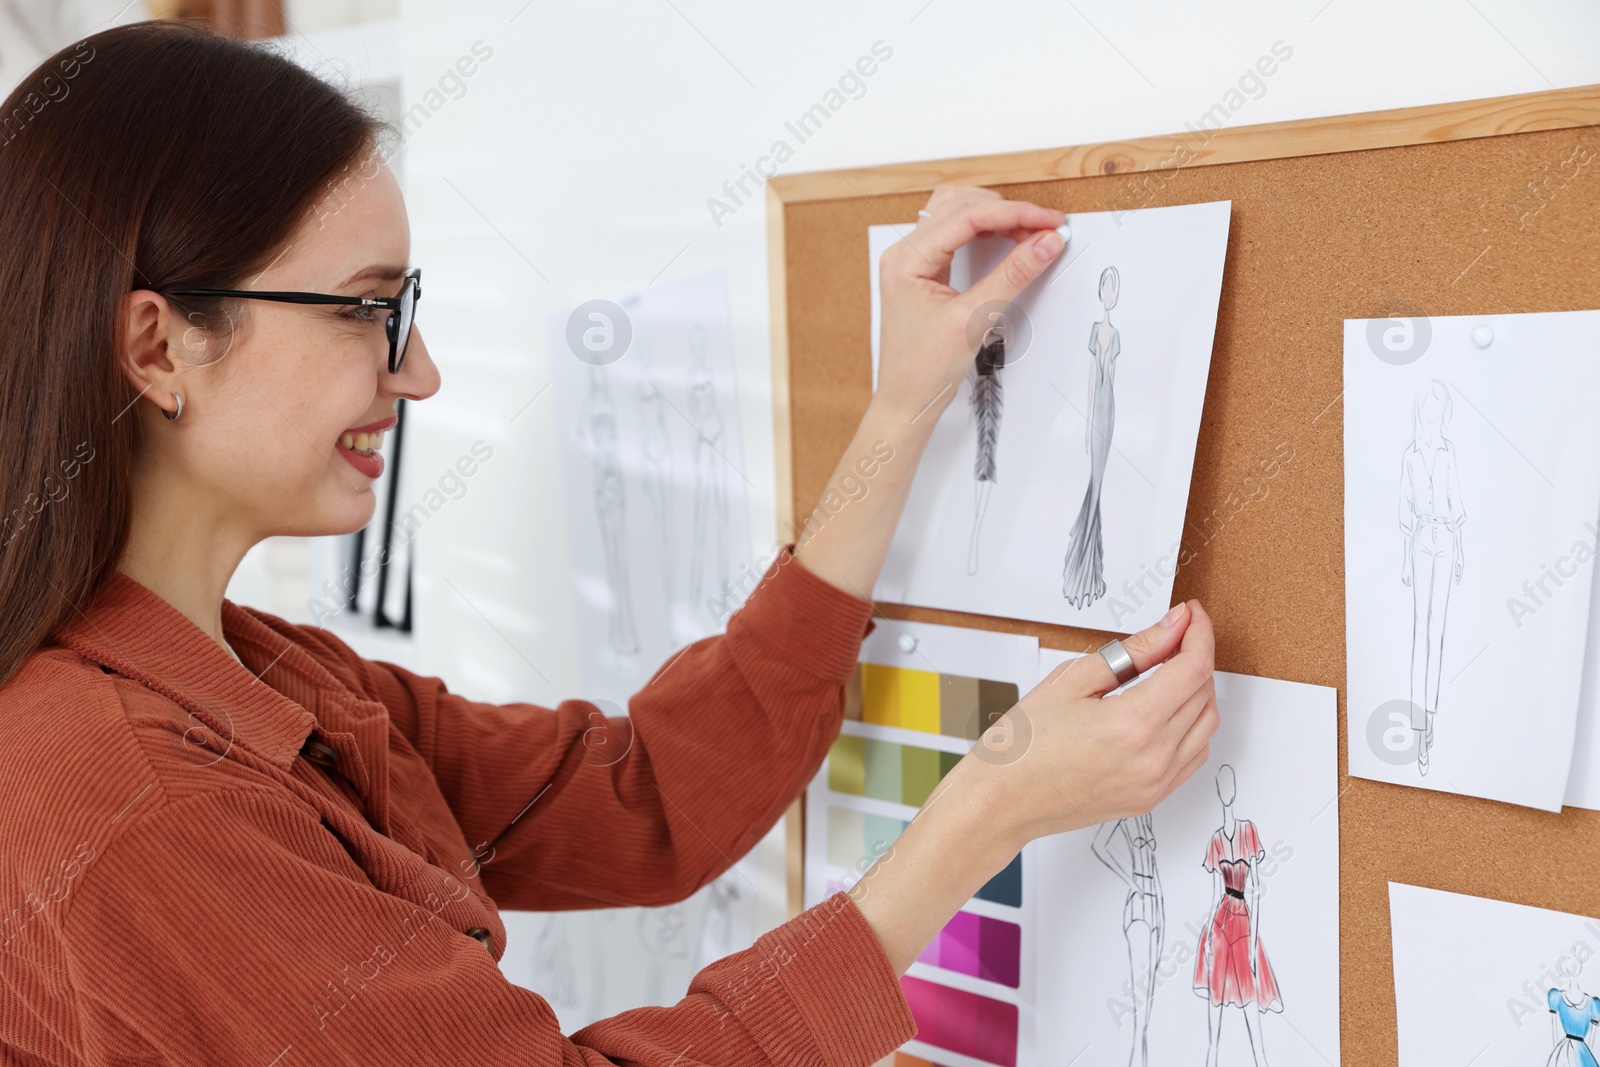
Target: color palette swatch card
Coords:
[[921, 696]]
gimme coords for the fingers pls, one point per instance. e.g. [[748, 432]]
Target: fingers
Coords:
[[1186, 771], [1148, 647], [1021, 267], [1183, 720], [1194, 723], [930, 246], [1182, 673]]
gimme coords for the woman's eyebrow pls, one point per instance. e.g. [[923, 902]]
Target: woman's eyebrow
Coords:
[[380, 272]]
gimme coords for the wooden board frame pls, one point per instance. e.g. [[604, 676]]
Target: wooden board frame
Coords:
[[1371, 170]]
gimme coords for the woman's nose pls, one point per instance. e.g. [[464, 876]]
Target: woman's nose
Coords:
[[418, 377]]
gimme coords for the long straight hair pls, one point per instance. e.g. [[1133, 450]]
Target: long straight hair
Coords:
[[156, 156]]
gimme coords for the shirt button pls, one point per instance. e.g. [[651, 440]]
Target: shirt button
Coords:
[[320, 754], [482, 934]]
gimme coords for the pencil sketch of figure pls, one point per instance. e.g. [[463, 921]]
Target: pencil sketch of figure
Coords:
[[1431, 515], [658, 474], [708, 561], [598, 437], [987, 401], [661, 934], [554, 972], [1128, 848], [716, 925], [1083, 579], [1231, 967], [1574, 1016]]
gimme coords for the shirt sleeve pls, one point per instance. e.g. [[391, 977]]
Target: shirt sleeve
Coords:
[[1408, 506], [230, 928], [1458, 510], [577, 809]]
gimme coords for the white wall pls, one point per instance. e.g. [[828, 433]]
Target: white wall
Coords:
[[579, 160]]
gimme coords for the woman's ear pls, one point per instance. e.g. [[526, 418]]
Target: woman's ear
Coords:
[[147, 357]]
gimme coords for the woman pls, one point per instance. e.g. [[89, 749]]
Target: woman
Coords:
[[1083, 577], [1231, 965], [1430, 518], [229, 839]]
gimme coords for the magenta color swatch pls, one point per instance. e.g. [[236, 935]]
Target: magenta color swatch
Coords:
[[980, 946], [963, 1022]]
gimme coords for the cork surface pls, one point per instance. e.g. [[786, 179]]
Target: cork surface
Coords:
[[1492, 225]]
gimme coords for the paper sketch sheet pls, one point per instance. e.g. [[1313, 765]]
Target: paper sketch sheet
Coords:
[[1207, 931], [655, 495], [1489, 982], [1583, 783], [1003, 1011], [590, 965], [1472, 493], [1055, 484]]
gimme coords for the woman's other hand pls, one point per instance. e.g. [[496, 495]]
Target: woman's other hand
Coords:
[[1074, 757], [1071, 757], [927, 339]]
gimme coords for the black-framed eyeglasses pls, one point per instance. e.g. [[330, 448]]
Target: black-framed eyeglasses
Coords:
[[402, 308]]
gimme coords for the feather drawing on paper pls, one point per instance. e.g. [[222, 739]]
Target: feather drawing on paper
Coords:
[[1430, 517], [987, 401], [1128, 848], [1083, 578], [598, 436], [1230, 967]]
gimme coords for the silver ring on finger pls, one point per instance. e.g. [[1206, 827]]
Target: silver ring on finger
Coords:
[[1119, 661]]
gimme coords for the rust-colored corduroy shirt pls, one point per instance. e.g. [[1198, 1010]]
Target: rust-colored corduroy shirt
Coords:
[[299, 861]]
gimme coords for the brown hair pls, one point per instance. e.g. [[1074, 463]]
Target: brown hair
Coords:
[[157, 156]]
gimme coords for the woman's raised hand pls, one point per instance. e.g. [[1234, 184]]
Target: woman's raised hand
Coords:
[[1069, 756], [928, 331]]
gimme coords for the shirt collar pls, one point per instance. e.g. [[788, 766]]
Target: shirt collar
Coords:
[[132, 630]]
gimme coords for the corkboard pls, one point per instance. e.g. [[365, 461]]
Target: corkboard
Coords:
[[1482, 207]]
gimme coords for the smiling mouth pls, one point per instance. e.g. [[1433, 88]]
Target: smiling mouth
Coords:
[[365, 443]]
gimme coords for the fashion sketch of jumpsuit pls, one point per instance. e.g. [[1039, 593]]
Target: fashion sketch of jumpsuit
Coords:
[[1083, 580], [610, 508], [709, 554], [1431, 514], [1143, 915], [1573, 1022]]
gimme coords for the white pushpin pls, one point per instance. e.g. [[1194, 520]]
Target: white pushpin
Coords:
[[1482, 336], [908, 644], [1065, 230]]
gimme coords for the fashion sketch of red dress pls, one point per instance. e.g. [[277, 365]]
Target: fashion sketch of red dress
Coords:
[[1222, 970]]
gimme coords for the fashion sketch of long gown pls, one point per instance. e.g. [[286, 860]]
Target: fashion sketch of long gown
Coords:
[[1230, 967], [1431, 515], [1575, 1014], [708, 559], [987, 401], [1083, 577], [598, 434], [1143, 915]]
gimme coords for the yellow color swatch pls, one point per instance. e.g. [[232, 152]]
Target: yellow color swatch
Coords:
[[899, 696]]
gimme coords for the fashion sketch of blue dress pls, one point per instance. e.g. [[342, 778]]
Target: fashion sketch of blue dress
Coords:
[[1573, 1023], [1083, 578]]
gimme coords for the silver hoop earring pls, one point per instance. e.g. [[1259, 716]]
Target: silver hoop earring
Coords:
[[172, 415]]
